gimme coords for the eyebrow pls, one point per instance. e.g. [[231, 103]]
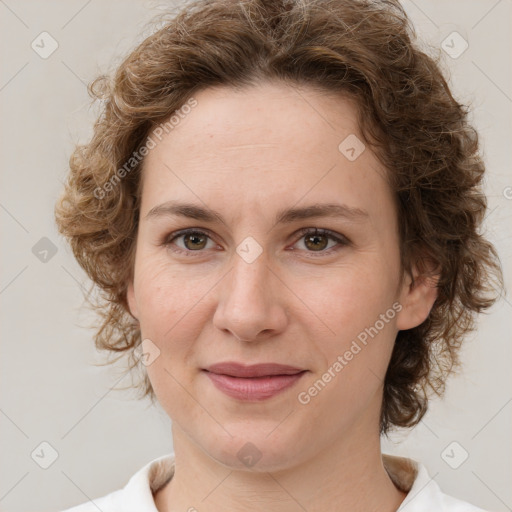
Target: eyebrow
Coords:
[[285, 216]]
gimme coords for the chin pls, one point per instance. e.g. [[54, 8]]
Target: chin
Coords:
[[255, 450]]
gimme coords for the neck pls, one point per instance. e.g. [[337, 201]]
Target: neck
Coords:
[[348, 476]]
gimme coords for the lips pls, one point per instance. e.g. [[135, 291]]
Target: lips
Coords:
[[255, 382], [256, 370]]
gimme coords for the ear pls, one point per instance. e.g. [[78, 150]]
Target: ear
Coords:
[[417, 297], [130, 298]]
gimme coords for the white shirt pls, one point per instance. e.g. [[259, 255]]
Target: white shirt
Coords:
[[423, 493]]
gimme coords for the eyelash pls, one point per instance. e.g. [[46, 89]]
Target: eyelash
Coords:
[[340, 239]]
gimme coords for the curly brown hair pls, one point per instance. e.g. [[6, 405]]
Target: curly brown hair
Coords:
[[363, 49]]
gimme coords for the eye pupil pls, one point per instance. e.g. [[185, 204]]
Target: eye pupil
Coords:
[[195, 238], [315, 244]]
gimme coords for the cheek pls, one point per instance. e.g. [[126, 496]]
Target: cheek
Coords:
[[161, 291], [174, 390], [348, 299], [170, 314], [355, 351], [172, 318], [354, 361]]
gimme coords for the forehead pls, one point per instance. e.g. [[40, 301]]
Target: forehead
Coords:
[[262, 143], [267, 114]]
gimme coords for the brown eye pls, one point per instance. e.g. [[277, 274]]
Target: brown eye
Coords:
[[321, 241], [195, 241], [188, 241], [316, 242]]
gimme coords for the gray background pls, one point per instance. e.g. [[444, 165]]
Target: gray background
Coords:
[[50, 389]]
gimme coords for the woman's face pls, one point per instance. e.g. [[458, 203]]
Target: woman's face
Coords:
[[251, 283]]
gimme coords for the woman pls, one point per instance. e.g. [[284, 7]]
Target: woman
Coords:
[[281, 202]]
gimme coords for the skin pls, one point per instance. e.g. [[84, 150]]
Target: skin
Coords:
[[248, 154]]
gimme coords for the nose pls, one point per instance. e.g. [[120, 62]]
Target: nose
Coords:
[[250, 305]]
